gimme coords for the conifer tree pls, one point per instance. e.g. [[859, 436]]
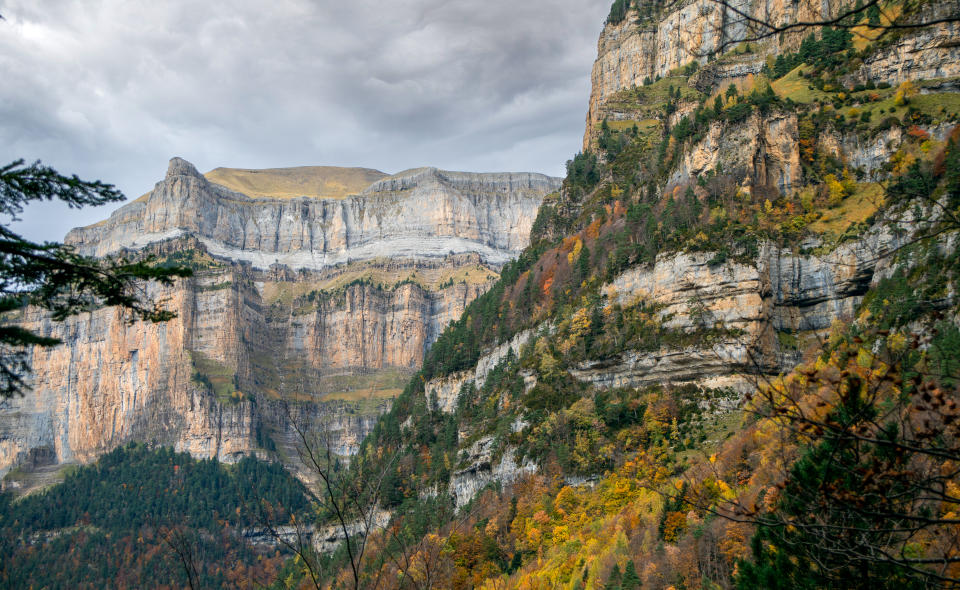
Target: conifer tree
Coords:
[[613, 582], [631, 581], [54, 277]]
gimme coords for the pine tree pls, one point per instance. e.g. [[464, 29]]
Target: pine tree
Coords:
[[613, 582], [53, 276], [583, 265], [631, 581]]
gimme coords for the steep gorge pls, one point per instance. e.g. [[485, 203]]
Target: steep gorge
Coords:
[[315, 309], [739, 214]]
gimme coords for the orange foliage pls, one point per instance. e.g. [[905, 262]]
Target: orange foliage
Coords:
[[673, 526], [918, 133], [593, 230], [547, 285]]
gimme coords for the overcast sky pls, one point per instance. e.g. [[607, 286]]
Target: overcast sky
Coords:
[[111, 89]]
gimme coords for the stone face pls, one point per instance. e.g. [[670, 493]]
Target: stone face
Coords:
[[446, 389], [635, 49], [765, 148], [923, 54], [423, 213], [778, 292], [321, 341], [482, 468]]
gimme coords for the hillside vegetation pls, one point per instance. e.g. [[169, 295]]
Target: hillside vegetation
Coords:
[[729, 358], [835, 470]]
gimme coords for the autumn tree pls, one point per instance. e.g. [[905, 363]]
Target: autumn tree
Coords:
[[871, 488]]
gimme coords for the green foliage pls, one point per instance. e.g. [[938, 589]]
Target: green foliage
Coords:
[[789, 557], [944, 354], [822, 53], [739, 112], [583, 170], [135, 486], [631, 580], [918, 183], [618, 11], [84, 532], [613, 582]]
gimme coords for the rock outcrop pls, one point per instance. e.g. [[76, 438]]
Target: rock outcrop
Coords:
[[921, 54], [778, 293], [422, 213], [306, 309], [644, 47], [765, 148]]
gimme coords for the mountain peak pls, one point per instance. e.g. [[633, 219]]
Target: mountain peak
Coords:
[[181, 167]]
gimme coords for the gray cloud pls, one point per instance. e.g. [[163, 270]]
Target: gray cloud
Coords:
[[111, 89]]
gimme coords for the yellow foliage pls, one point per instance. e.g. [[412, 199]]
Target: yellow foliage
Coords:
[[905, 92], [849, 183], [836, 190], [575, 252], [897, 342], [580, 322], [534, 537]]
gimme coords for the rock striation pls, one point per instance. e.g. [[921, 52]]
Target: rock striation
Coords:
[[644, 47], [422, 213], [303, 308]]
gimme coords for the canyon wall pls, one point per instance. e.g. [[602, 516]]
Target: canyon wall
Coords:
[[308, 309], [422, 213]]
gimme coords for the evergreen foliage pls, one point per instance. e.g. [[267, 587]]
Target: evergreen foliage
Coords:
[[53, 276], [618, 11], [823, 53], [108, 521]]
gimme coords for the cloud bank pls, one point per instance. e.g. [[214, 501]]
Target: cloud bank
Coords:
[[111, 89]]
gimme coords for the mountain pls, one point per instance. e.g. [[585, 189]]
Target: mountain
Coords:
[[323, 182], [328, 302], [724, 353], [753, 231]]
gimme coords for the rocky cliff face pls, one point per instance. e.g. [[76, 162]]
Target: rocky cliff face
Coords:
[[778, 293], [757, 314], [423, 213], [645, 47], [363, 286], [924, 54]]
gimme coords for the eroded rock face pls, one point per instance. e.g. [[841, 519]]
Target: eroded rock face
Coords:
[[763, 147], [257, 345], [642, 47], [779, 292], [482, 468], [446, 390], [423, 213], [922, 54]]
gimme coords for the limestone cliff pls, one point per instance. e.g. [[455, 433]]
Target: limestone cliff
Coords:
[[731, 320], [324, 304], [422, 213], [648, 46]]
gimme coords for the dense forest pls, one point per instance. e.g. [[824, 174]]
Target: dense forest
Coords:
[[130, 519]]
